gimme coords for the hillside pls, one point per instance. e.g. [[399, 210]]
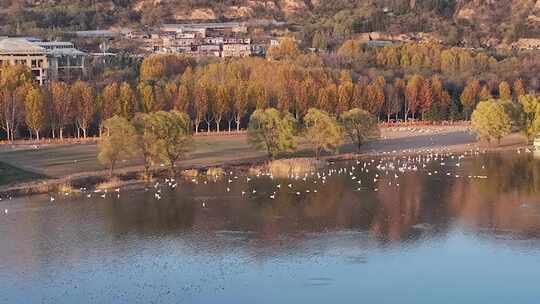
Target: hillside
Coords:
[[473, 22]]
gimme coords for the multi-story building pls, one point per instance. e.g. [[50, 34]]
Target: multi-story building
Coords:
[[65, 61], [202, 39], [236, 50], [21, 51], [47, 60]]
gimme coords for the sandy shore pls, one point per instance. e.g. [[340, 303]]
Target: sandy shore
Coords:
[[398, 140]]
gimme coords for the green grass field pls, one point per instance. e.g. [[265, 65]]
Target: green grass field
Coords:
[[10, 174], [26, 163], [63, 160]]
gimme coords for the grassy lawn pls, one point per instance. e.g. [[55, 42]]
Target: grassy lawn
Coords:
[[10, 174], [62, 160]]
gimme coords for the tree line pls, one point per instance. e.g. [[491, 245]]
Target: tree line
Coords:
[[166, 137], [221, 95]]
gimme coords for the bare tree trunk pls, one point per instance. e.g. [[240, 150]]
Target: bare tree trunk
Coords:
[[111, 170]]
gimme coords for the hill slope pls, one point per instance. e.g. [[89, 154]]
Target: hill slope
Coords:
[[472, 21]]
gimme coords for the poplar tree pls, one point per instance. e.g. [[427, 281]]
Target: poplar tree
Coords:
[[35, 109]]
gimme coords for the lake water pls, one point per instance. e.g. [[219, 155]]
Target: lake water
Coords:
[[414, 230]]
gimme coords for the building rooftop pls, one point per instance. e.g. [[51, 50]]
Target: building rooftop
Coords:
[[60, 48], [209, 25], [19, 46]]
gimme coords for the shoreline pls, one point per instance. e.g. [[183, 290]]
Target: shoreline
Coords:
[[402, 143]]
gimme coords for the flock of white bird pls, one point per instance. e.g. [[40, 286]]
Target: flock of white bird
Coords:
[[388, 167]]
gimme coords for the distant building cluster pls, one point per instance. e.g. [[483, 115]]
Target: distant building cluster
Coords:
[[51, 60], [223, 40]]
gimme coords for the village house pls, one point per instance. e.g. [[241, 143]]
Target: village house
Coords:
[[226, 39]]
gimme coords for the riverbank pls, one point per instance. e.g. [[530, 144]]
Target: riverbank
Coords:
[[61, 167]]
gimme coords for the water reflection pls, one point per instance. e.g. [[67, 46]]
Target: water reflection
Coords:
[[202, 234]]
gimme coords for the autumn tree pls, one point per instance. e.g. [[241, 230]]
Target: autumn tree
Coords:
[[412, 94], [304, 96], [201, 103], [15, 82], [240, 104], [109, 101], [272, 131], [519, 88], [148, 102], [485, 93], [441, 99], [220, 106], [326, 99], [127, 101], [469, 97], [35, 110], [322, 131], [62, 106], [359, 125], [425, 97], [287, 49], [85, 105], [392, 102], [504, 91], [319, 41], [345, 93], [158, 67]]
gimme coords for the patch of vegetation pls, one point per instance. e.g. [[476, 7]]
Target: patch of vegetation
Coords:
[[10, 174]]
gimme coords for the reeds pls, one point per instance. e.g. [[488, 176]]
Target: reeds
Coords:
[[295, 166], [215, 172]]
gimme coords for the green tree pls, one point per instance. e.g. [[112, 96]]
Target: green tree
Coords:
[[174, 138], [117, 143], [359, 125], [322, 131], [146, 141], [271, 131], [490, 120], [530, 106]]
